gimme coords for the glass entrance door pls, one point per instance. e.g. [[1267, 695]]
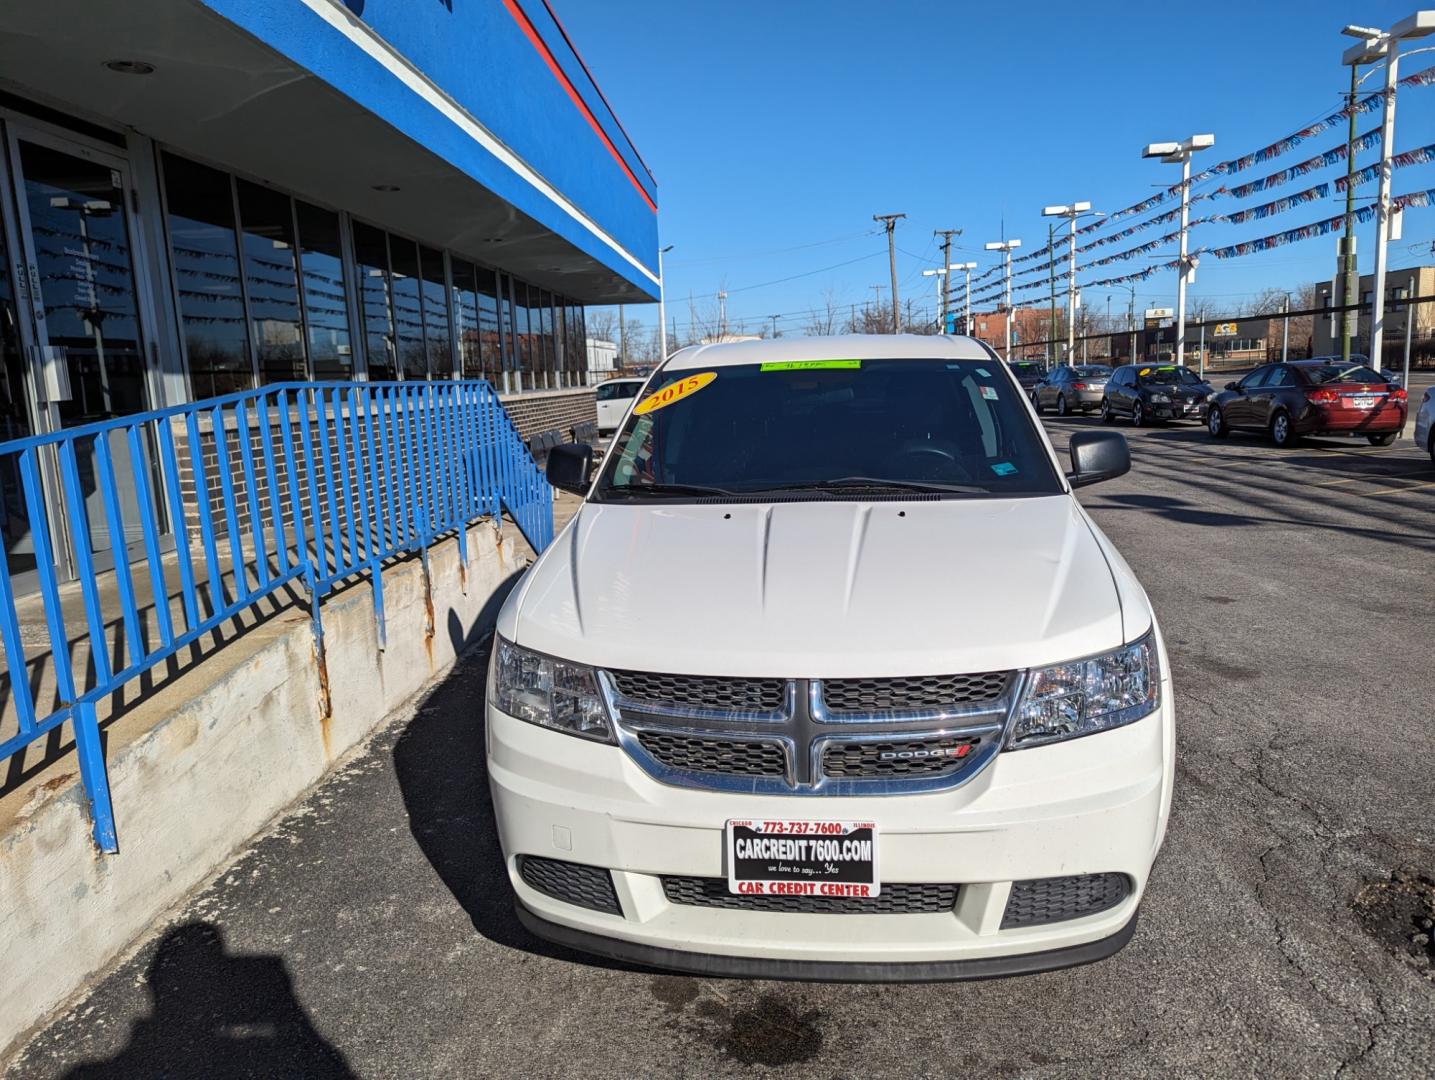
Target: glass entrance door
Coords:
[[86, 309]]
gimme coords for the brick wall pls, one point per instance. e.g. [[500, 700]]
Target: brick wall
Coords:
[[548, 410]]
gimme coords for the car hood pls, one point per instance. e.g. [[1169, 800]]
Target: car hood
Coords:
[[822, 588]]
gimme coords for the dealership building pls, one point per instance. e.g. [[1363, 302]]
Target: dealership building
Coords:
[[204, 196]]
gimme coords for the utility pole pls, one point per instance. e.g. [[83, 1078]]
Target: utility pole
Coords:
[[722, 314], [662, 307], [1347, 273], [946, 235], [774, 319], [890, 221]]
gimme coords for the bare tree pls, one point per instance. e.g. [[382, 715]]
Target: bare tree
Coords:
[[602, 324], [822, 322]]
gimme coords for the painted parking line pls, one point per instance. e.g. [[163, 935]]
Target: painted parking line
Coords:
[[1373, 479], [1400, 490]]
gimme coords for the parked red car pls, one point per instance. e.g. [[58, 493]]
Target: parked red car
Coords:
[[1311, 397]]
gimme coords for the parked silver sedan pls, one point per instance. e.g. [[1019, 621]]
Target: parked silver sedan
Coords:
[[1071, 389]]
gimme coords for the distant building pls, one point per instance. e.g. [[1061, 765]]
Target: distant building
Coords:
[[1399, 284]]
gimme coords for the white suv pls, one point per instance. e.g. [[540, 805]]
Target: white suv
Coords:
[[832, 677]]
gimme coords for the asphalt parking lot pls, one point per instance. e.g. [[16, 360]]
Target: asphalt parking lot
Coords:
[[369, 933]]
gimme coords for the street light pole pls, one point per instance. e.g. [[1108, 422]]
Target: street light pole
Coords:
[[940, 275], [967, 305], [1386, 45], [662, 305], [1071, 213], [1180, 154], [1004, 246]]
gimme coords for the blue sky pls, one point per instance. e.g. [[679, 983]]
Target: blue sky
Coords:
[[776, 131]]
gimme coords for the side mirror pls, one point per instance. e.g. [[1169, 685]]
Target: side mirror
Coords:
[[1097, 456], [570, 467], [1233, 386]]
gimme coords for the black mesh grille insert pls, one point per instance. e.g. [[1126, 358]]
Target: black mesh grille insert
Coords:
[[897, 758], [702, 691], [917, 692], [573, 883], [1048, 900], [895, 899], [728, 756]]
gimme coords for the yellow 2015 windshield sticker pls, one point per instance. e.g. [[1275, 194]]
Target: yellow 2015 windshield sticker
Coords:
[[674, 392]]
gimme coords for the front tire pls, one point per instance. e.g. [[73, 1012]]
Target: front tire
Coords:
[[1216, 423], [1382, 440], [1282, 433]]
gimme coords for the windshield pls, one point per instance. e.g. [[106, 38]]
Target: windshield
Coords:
[[1027, 368], [1341, 373], [1167, 375], [846, 427]]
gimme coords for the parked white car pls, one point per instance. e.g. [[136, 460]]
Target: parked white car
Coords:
[[613, 398], [831, 676], [1425, 423]]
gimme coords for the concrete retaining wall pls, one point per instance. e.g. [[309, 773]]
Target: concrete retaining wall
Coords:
[[230, 744]]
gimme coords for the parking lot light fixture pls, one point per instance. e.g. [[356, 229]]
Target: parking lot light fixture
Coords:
[[1071, 213], [1179, 153], [940, 274], [967, 304], [1374, 46], [1006, 246]]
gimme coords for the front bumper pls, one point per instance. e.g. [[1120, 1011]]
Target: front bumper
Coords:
[[1090, 806], [1179, 410]]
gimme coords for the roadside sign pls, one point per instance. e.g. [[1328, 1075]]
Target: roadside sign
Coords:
[[1159, 313], [1224, 329]]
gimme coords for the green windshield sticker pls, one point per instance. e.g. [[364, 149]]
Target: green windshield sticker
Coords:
[[811, 365]]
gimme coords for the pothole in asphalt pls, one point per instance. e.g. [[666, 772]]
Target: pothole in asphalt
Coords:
[[1400, 914]]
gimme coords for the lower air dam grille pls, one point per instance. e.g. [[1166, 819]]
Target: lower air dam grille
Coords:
[[896, 899], [1047, 900], [573, 883]]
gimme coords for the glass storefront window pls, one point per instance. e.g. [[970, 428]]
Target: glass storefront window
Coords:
[[326, 310], [14, 424], [507, 324], [408, 309], [465, 319], [435, 309], [547, 354], [523, 336], [267, 227], [205, 258], [488, 332], [371, 253]]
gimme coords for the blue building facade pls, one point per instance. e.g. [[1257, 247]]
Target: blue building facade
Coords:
[[204, 196]]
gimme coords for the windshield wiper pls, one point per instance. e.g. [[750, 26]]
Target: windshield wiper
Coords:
[[664, 489], [874, 483]]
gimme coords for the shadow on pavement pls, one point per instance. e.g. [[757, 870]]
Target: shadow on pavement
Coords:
[[216, 1014], [442, 773]]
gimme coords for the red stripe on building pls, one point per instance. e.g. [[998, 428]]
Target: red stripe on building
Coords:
[[536, 39]]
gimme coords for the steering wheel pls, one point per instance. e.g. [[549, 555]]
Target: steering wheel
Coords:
[[931, 461]]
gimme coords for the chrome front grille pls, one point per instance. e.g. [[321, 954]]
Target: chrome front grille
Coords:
[[898, 758], [719, 756], [701, 691], [923, 692], [809, 736]]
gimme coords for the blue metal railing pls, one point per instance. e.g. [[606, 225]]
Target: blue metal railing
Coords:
[[332, 479]]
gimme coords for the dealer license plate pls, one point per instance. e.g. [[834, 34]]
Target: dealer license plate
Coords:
[[802, 858], [1363, 402]]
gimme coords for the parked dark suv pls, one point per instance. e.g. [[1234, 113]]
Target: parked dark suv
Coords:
[[1311, 397], [1150, 392], [1028, 373]]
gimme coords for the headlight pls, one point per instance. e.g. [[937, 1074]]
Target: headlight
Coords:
[[1082, 697], [1161, 399], [548, 692]]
